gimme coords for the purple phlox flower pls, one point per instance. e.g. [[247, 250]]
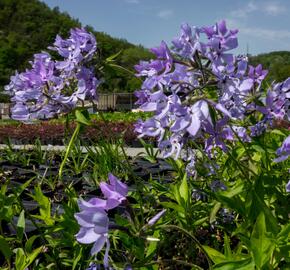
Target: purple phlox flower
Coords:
[[242, 133], [217, 185], [217, 133], [220, 41], [277, 102], [94, 266], [198, 113], [163, 53], [115, 192], [143, 96], [87, 85], [155, 70], [242, 66], [94, 203], [259, 128], [181, 79], [156, 218], [190, 167], [189, 155], [154, 73], [94, 229], [212, 167], [81, 45], [168, 106], [46, 90], [288, 186], [227, 215], [234, 87], [151, 127], [153, 100], [198, 195], [232, 132], [171, 147], [188, 43], [283, 152], [93, 218], [257, 74], [42, 68], [234, 95]]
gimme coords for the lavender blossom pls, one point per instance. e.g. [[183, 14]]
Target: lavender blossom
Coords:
[[217, 185], [288, 186], [173, 89], [52, 87], [155, 219], [284, 151], [94, 229], [93, 218]]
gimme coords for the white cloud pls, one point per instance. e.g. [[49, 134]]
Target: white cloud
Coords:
[[165, 14], [244, 11], [258, 32], [266, 33], [133, 1], [273, 9]]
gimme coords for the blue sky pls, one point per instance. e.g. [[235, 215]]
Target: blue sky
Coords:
[[264, 25]]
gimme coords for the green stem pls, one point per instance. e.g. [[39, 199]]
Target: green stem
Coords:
[[72, 140], [193, 238], [125, 69]]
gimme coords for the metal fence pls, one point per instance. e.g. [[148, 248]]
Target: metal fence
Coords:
[[106, 102], [4, 110]]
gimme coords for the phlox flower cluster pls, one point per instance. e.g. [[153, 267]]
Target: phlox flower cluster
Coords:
[[53, 86], [200, 91], [93, 216]]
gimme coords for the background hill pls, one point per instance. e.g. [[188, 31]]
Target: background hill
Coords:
[[29, 26]]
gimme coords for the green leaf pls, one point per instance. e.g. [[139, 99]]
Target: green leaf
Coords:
[[247, 264], [21, 188], [278, 132], [215, 255], [176, 193], [284, 234], [5, 248], [44, 205], [81, 118], [200, 221], [152, 245], [32, 256], [29, 243], [214, 211], [20, 259], [183, 189], [77, 259], [20, 225], [257, 206], [113, 57], [227, 247], [173, 206], [262, 245]]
